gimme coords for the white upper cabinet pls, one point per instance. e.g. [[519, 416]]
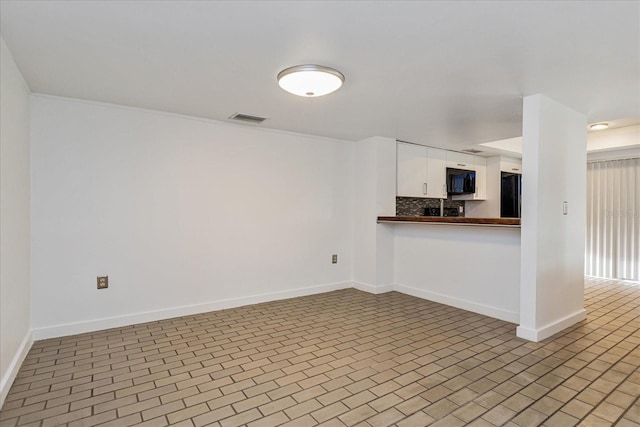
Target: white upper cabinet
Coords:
[[460, 160], [479, 165], [481, 178], [412, 171], [510, 165], [436, 173], [421, 172]]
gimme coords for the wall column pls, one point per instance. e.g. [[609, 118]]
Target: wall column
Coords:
[[554, 163], [374, 195], [15, 221]]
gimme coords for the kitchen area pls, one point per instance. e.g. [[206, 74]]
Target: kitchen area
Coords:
[[433, 182], [456, 228]]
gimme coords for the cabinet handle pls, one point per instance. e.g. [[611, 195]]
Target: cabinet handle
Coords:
[[444, 190], [461, 164], [424, 188], [515, 169]]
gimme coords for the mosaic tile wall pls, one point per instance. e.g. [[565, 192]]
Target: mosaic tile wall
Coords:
[[414, 206]]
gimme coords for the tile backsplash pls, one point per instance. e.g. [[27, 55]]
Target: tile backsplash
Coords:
[[414, 206]]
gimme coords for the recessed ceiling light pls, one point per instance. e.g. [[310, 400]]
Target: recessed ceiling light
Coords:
[[310, 80], [598, 126]]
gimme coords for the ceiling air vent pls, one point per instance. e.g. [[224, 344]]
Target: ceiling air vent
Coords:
[[472, 151], [247, 118]]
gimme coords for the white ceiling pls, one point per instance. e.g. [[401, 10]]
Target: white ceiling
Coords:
[[448, 74], [617, 138]]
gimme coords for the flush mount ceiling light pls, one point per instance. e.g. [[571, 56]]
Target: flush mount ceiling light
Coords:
[[598, 126], [310, 80]]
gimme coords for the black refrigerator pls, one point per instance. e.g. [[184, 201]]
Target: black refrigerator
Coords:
[[510, 193]]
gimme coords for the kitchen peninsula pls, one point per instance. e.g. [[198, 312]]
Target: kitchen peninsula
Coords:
[[444, 243], [491, 222], [469, 263]]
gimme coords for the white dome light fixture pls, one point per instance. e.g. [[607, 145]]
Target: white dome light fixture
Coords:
[[599, 126], [310, 80]]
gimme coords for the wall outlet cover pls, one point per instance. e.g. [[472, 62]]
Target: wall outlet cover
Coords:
[[103, 282]]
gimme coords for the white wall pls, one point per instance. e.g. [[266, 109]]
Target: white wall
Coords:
[[553, 245], [374, 195], [470, 267], [625, 153], [15, 336], [364, 208], [623, 138], [627, 137], [179, 212]]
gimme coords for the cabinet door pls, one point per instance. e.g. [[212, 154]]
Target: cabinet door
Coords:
[[481, 178], [511, 165], [436, 173], [412, 170], [460, 160]]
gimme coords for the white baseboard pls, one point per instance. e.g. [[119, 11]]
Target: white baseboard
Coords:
[[152, 316], [14, 367], [549, 329], [373, 289], [527, 334], [498, 313]]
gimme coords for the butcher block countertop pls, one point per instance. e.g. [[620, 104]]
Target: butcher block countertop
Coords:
[[486, 222]]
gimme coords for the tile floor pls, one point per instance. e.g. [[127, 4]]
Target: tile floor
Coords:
[[341, 358]]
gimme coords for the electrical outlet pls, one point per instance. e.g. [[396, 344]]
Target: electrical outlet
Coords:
[[103, 282], [334, 259]]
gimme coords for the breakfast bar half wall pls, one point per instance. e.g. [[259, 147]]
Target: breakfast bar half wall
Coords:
[[469, 263], [471, 266]]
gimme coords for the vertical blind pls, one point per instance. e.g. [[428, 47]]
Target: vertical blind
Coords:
[[613, 219]]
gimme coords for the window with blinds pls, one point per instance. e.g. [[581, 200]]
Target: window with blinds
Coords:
[[613, 219]]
